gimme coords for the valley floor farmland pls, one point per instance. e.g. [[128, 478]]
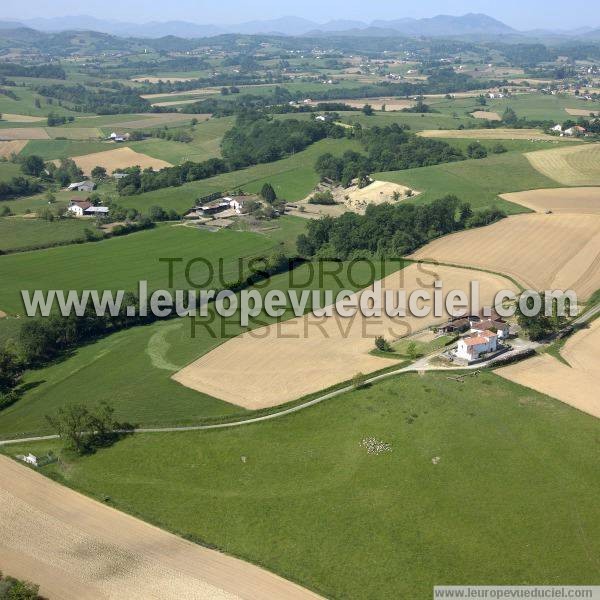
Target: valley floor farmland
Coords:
[[285, 361], [311, 504], [573, 383], [79, 549], [540, 251]]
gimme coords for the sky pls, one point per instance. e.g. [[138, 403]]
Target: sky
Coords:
[[520, 14]]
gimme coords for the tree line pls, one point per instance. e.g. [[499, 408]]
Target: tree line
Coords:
[[112, 99], [390, 230], [47, 71], [389, 148]]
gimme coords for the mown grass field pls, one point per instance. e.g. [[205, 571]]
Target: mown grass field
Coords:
[[416, 122], [475, 181], [132, 369], [310, 503], [17, 233], [25, 105], [530, 106], [119, 263], [54, 149], [206, 143]]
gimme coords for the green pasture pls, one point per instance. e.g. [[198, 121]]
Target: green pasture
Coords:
[[475, 181], [131, 369], [120, 262], [512, 468], [17, 232]]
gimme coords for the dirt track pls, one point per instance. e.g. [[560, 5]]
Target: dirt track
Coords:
[[280, 363], [79, 549]]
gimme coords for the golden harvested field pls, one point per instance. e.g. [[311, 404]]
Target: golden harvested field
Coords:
[[569, 165], [208, 91], [484, 114], [74, 133], [499, 133], [24, 133], [377, 103], [157, 119], [21, 118], [120, 158], [573, 385], [79, 549], [7, 148], [582, 112], [581, 200], [285, 361], [175, 102], [540, 251]]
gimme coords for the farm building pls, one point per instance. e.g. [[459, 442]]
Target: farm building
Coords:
[[472, 347], [216, 206], [575, 130], [115, 137], [237, 202], [84, 208], [499, 327], [78, 207], [455, 326], [82, 186]]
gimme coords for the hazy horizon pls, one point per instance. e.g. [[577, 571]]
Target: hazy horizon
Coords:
[[520, 14]]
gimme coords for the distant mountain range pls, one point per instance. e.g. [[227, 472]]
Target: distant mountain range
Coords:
[[440, 26]]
